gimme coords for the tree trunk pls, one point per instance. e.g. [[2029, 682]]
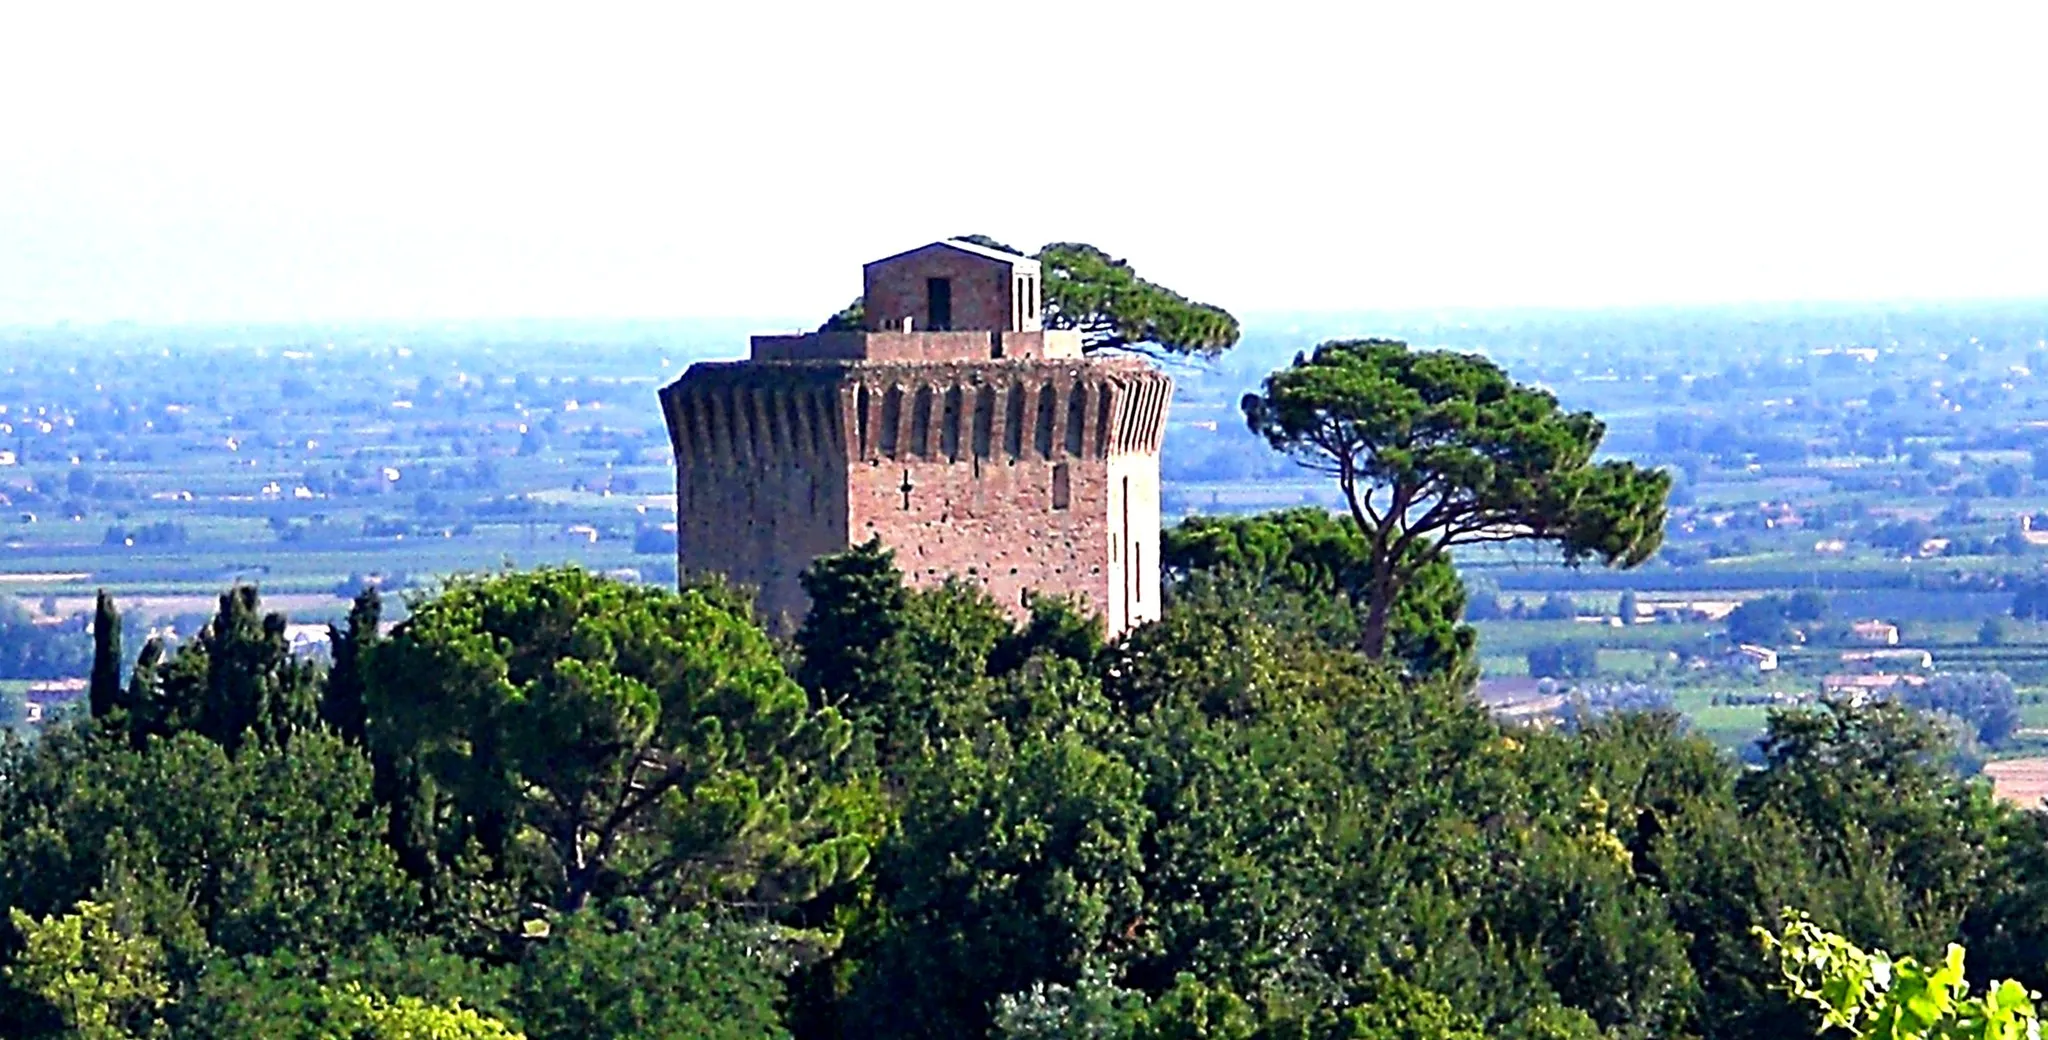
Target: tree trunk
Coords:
[[1379, 611]]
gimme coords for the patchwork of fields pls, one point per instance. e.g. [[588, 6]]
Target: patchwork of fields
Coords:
[[1893, 462]]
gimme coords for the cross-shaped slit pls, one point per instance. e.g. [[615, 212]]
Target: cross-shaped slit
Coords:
[[907, 488]]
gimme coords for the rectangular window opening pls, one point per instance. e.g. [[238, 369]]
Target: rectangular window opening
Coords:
[[939, 299], [1062, 486]]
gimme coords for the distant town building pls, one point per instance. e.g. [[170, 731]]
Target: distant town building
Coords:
[[952, 425], [1883, 660], [309, 641], [1875, 633], [2028, 533], [48, 690], [1863, 687], [1751, 658]]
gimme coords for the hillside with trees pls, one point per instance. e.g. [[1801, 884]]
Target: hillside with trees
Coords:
[[556, 803], [553, 804]]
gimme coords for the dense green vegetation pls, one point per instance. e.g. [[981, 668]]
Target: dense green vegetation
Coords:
[[554, 803], [1872, 994], [563, 803]]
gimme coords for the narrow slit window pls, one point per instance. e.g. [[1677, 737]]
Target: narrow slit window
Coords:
[[1062, 486]]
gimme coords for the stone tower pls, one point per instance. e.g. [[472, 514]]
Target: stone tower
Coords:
[[975, 442]]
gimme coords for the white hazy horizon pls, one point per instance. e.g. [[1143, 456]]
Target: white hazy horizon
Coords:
[[373, 162]]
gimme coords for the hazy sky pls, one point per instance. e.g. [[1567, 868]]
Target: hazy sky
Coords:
[[190, 162]]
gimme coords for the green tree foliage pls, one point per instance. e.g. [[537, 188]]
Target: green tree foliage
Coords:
[[31, 651], [592, 738], [1228, 823], [1099, 295], [1569, 660], [632, 973], [1015, 864], [852, 644], [912, 669], [263, 849], [343, 705], [308, 1010], [237, 680], [1807, 605], [1985, 700], [365, 1015], [1433, 450], [2030, 600], [1866, 792], [1098, 1007], [1874, 995], [1114, 309], [100, 978], [2005, 481], [1994, 630], [1310, 552], [287, 996], [1764, 621]]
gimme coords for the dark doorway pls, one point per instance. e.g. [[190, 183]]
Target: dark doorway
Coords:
[[939, 291]]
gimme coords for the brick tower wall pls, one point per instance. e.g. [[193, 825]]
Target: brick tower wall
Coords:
[[760, 476], [1016, 473], [1023, 475]]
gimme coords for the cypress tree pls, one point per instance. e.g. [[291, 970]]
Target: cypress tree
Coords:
[[105, 696], [145, 693], [342, 705]]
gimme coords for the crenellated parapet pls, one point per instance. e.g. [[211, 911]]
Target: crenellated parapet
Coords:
[[726, 416], [1009, 412], [739, 415]]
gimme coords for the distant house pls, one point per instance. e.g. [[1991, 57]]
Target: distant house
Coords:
[[1860, 688], [56, 691], [1880, 660], [1701, 610], [582, 531], [1830, 546], [1519, 698], [1933, 547], [308, 641], [1875, 633], [6, 458], [2028, 533], [1750, 658]]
